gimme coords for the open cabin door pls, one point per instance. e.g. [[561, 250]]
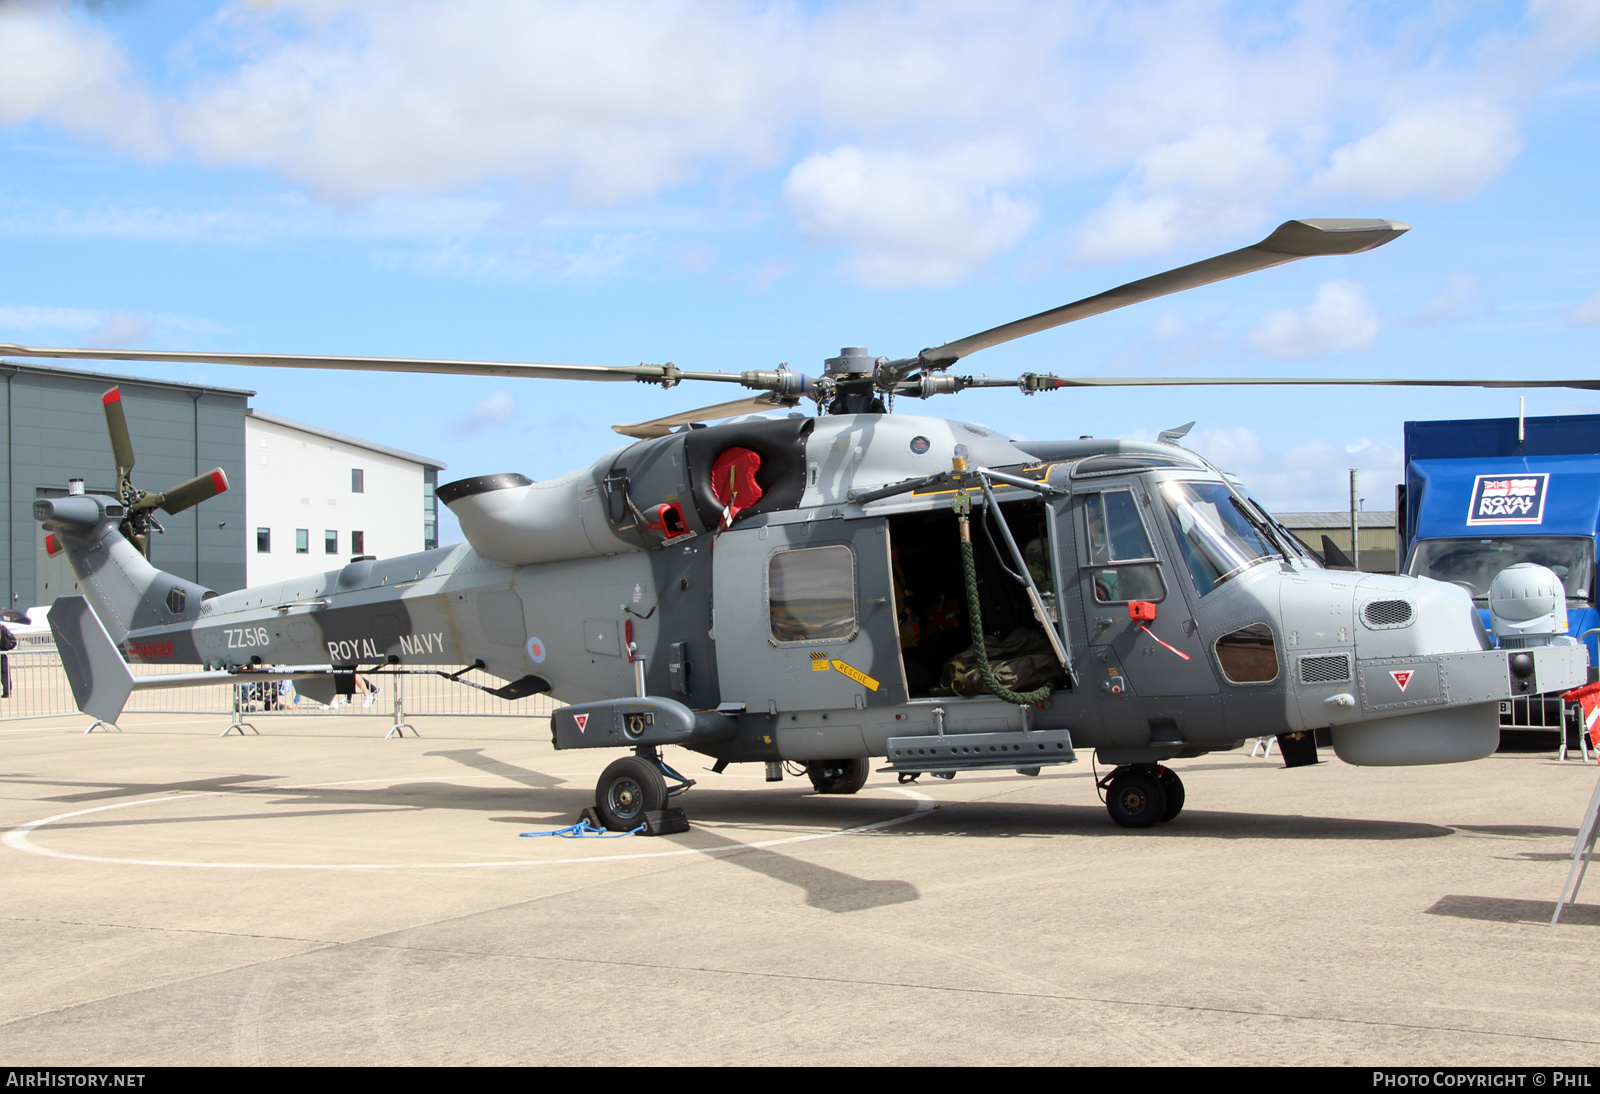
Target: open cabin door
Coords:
[[804, 617]]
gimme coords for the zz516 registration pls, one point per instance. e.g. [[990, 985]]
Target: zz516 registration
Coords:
[[244, 637]]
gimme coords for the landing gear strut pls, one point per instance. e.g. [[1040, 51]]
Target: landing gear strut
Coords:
[[1142, 795]]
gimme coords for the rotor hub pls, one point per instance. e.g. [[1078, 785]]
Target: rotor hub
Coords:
[[853, 362]]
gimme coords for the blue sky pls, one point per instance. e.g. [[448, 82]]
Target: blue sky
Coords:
[[730, 186]]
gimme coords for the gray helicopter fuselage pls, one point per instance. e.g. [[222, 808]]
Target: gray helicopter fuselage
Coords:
[[812, 623]]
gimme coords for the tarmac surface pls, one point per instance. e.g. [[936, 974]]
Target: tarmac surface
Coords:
[[320, 895]]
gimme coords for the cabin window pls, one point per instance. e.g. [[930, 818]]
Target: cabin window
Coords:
[[1249, 655], [811, 594], [1122, 563]]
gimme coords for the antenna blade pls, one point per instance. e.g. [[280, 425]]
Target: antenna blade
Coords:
[[660, 427], [1333, 558], [192, 492], [117, 426], [1293, 239]]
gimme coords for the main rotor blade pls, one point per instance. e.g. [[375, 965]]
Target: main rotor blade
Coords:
[[185, 494], [1293, 239], [660, 427], [668, 373], [117, 426], [1045, 382]]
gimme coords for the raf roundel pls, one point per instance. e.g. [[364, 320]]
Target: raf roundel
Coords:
[[920, 445], [536, 650]]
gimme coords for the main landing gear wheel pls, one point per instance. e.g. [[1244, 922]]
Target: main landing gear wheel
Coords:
[[838, 776], [1174, 788], [627, 790], [1136, 799]]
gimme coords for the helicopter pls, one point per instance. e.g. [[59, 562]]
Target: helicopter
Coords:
[[825, 589]]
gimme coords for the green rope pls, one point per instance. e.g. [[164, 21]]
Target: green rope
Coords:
[[980, 646]]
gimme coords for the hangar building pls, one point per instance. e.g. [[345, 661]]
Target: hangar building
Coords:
[[319, 496]]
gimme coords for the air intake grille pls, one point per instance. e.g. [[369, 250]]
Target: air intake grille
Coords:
[[1387, 613], [1324, 670]]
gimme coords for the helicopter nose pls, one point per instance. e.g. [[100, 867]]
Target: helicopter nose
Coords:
[[1401, 616]]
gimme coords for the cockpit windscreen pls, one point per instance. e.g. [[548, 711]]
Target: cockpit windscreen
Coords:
[[1215, 538]]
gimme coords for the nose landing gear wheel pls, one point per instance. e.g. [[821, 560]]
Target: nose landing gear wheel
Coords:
[[838, 776], [1174, 788], [1136, 800], [627, 790]]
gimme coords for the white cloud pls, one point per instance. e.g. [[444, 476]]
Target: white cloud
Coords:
[[610, 102], [1313, 476], [1339, 318], [495, 409], [1460, 290], [121, 328], [88, 326], [1586, 314], [912, 220], [1446, 150], [917, 137], [1216, 182], [70, 73], [27, 317]]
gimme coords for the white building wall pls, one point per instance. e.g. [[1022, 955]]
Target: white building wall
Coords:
[[299, 479]]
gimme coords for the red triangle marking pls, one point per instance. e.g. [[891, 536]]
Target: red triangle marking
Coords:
[[1402, 676]]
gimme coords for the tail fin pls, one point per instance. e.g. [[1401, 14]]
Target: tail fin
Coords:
[[125, 591], [101, 680]]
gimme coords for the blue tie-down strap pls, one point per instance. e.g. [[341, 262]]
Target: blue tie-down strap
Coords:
[[583, 830]]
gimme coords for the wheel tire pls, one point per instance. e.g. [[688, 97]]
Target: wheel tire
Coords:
[[627, 790], [839, 776], [1174, 788], [1136, 800]]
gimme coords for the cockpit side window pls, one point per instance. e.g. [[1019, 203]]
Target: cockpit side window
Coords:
[[1123, 564]]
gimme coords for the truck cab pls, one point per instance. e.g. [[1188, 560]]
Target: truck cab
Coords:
[[1484, 494]]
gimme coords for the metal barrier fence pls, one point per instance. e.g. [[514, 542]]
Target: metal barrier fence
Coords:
[[39, 689]]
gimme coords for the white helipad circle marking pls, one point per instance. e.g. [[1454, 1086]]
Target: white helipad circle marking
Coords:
[[17, 838]]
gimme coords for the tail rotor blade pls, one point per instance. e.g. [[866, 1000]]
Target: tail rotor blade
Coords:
[[186, 494], [117, 426]]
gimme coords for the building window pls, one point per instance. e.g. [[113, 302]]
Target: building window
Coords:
[[430, 509], [330, 542], [358, 481], [358, 543], [263, 541], [302, 541]]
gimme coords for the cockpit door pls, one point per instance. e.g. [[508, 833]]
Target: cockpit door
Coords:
[[1119, 565], [804, 617]]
